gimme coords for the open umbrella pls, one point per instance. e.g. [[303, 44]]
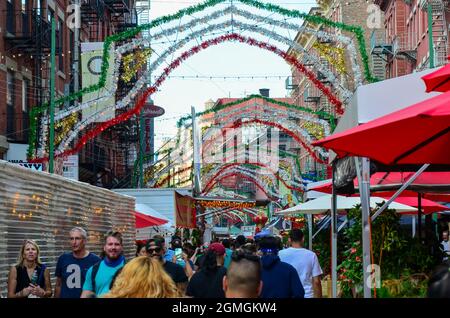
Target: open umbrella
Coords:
[[323, 204], [147, 210], [438, 81], [143, 220], [416, 134]]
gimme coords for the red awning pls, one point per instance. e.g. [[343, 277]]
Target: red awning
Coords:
[[438, 81], [143, 220], [417, 134]]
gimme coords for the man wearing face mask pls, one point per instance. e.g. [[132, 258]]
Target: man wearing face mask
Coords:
[[100, 277], [155, 249]]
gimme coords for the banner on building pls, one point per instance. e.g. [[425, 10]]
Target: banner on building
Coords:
[[91, 65], [17, 154], [184, 211]]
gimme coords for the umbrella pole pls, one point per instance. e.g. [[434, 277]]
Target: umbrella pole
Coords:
[[310, 229], [419, 214], [364, 181], [333, 237]]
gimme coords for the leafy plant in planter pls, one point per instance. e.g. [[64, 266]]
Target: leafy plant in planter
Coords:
[[387, 241]]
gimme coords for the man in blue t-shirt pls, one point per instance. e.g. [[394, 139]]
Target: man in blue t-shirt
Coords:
[[72, 267], [100, 276]]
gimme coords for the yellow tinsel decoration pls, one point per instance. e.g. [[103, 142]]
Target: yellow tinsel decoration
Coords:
[[133, 62], [314, 130], [334, 55], [63, 127]]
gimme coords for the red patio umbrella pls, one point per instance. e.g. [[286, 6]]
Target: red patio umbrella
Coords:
[[438, 81], [416, 134], [143, 220], [427, 206], [391, 178]]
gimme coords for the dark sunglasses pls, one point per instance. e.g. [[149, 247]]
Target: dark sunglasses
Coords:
[[154, 250]]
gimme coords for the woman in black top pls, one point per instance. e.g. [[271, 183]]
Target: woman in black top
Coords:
[[29, 278], [207, 282]]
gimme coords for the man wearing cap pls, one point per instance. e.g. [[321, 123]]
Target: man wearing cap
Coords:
[[155, 249], [207, 282]]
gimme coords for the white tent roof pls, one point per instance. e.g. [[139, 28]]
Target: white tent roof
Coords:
[[323, 204], [145, 209]]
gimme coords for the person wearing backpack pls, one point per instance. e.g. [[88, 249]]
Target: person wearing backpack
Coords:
[[100, 277]]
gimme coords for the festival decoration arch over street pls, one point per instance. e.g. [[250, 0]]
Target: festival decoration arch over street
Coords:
[[127, 35]]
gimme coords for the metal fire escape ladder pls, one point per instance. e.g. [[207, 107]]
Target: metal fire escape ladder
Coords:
[[439, 29]]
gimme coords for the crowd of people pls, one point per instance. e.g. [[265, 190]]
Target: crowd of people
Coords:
[[240, 268]]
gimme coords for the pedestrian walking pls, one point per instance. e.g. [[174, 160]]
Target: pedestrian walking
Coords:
[[155, 249], [29, 278], [280, 279], [243, 278], [305, 262], [445, 246], [143, 277], [100, 276], [208, 281], [227, 244], [141, 249], [71, 267]]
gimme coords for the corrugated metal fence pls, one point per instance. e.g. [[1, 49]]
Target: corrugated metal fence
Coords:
[[43, 207]]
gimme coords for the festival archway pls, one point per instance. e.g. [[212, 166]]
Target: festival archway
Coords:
[[159, 22]]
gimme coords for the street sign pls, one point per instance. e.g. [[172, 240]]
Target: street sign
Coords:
[[151, 111]]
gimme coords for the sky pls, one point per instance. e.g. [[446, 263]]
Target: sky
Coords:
[[177, 95]]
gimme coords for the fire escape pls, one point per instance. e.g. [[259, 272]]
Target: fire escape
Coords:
[[28, 34], [404, 45], [439, 28]]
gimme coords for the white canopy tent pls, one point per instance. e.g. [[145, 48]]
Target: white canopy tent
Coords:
[[147, 232], [323, 204]]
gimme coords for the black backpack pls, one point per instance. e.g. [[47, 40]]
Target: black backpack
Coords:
[[95, 268]]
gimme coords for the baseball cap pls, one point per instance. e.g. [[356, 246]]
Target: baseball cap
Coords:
[[217, 248]]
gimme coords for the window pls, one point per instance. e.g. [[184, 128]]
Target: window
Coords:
[[10, 88], [25, 96], [10, 25], [10, 113], [49, 15], [24, 5]]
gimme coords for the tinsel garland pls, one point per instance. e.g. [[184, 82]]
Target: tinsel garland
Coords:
[[63, 127], [315, 130], [132, 32], [176, 63], [133, 62], [233, 165], [334, 55], [163, 181], [308, 58], [119, 104], [266, 111], [322, 114], [269, 194], [288, 130]]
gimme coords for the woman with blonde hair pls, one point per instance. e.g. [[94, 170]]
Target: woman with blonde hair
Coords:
[[143, 277], [29, 278]]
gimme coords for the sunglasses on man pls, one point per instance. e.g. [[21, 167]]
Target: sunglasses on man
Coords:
[[154, 250]]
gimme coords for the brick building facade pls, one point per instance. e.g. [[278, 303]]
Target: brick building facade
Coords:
[[304, 92], [405, 45], [25, 40]]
